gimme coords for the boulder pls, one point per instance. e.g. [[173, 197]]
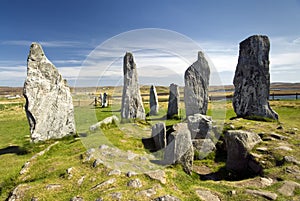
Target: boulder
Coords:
[[252, 79], [153, 101], [202, 147], [180, 147], [239, 143], [200, 126], [173, 104], [132, 105], [196, 79], [105, 122], [159, 135], [49, 105]]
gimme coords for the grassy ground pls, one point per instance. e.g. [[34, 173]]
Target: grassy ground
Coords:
[[50, 168]]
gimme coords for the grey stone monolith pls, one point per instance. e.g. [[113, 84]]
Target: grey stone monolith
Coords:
[[132, 105], [252, 79], [196, 79], [49, 105], [153, 101], [174, 100]]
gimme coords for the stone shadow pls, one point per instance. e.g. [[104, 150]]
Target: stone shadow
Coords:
[[13, 150]]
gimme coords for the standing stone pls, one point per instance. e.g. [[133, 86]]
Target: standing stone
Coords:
[[49, 106], [196, 79], [104, 100], [173, 105], [252, 79], [132, 105], [159, 135], [101, 98], [153, 101]]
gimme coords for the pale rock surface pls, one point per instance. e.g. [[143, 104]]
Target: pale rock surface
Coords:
[[132, 105], [239, 143], [252, 79], [200, 126], [49, 105], [196, 79]]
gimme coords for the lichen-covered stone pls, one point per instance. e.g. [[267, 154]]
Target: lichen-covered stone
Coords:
[[196, 79], [252, 79], [173, 104], [49, 105], [132, 105]]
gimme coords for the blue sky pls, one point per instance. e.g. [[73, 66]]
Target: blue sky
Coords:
[[70, 30]]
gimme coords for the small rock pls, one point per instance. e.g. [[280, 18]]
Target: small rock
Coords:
[[116, 196], [167, 198], [97, 162], [262, 149], [105, 183], [80, 181], [77, 198], [135, 183], [288, 188], [232, 192], [265, 194], [291, 159], [130, 174], [278, 136], [207, 195], [280, 127], [34, 199], [53, 186], [284, 148], [99, 199], [114, 172], [266, 181], [159, 175], [147, 193], [294, 170]]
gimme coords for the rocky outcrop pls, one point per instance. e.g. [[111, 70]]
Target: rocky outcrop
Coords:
[[252, 79], [173, 104], [49, 106], [202, 147], [200, 126], [153, 101], [180, 147], [132, 105], [196, 79], [239, 143], [105, 122]]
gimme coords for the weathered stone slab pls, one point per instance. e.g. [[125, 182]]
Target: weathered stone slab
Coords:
[[49, 105], [154, 107], [174, 98], [196, 79], [159, 135], [200, 126], [132, 105], [239, 143], [252, 79]]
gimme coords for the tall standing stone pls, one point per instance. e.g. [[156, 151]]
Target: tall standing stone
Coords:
[[196, 79], [174, 98], [252, 79], [49, 106], [153, 101], [132, 105]]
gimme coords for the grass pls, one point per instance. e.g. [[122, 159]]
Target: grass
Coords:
[[70, 152]]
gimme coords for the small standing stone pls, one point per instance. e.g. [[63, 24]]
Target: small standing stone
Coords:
[[174, 98], [159, 135], [252, 79], [132, 105], [104, 100], [153, 101], [196, 79]]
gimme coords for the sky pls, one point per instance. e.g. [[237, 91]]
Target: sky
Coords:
[[76, 35]]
